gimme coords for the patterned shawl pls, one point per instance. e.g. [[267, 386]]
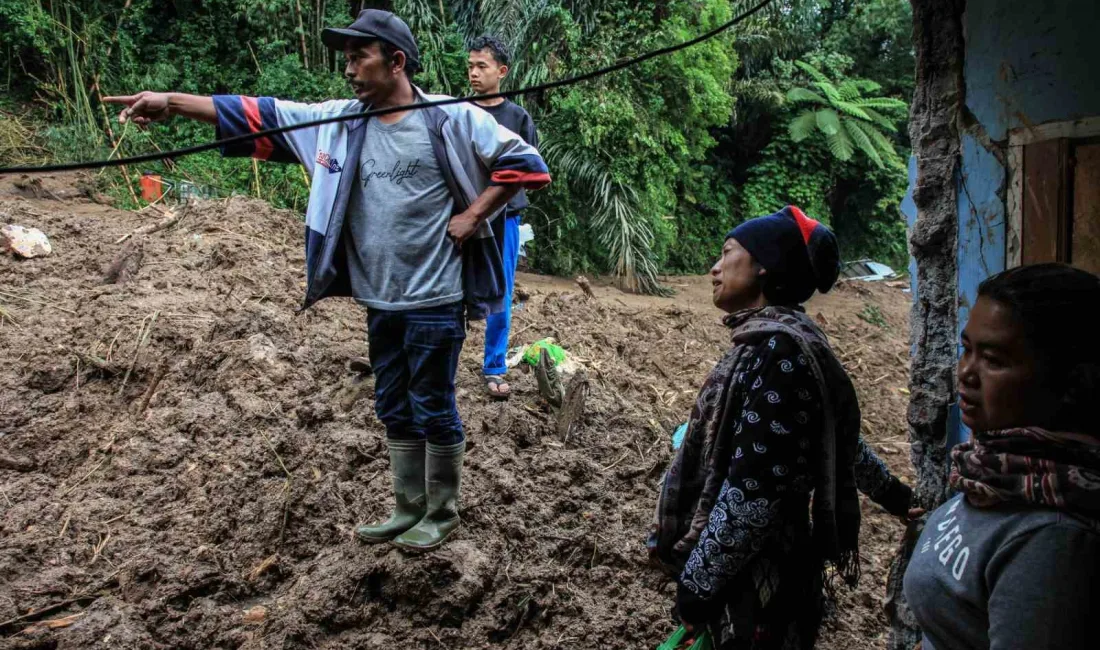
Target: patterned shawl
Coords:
[[1032, 466], [701, 465]]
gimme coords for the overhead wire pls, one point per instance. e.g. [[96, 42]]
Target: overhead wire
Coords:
[[217, 144]]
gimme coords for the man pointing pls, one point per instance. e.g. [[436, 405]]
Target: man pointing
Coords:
[[398, 219]]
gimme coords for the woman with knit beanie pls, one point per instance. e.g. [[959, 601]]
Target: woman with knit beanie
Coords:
[[776, 423]]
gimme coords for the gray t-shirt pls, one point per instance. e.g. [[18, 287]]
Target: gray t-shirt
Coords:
[[1005, 577], [399, 254]]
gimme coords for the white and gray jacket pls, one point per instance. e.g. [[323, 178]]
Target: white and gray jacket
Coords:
[[472, 150]]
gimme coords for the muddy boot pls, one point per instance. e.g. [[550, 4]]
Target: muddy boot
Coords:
[[407, 464], [444, 480]]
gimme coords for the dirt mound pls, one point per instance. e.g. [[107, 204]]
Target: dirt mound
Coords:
[[183, 457]]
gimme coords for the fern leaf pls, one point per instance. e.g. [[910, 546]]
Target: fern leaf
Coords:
[[883, 103], [802, 126], [796, 95], [883, 143], [814, 73], [863, 141], [840, 145], [828, 121], [830, 91], [880, 119], [849, 90], [867, 86], [853, 110]]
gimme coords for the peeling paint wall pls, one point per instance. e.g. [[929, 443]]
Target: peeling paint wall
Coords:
[[981, 253], [984, 69], [1026, 63], [1031, 62]]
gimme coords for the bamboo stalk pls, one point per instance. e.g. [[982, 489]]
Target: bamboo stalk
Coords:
[[256, 175], [322, 5], [125, 170], [302, 34]]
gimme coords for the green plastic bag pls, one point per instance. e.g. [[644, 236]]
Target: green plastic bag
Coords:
[[556, 353], [676, 641]]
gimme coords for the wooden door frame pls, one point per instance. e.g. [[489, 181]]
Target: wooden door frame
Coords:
[[1073, 130]]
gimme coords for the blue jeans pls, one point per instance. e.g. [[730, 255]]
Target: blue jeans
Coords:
[[414, 355], [498, 326]]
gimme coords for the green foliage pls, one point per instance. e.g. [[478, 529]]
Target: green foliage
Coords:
[[848, 120], [789, 174], [618, 146], [652, 165], [877, 35], [873, 315]]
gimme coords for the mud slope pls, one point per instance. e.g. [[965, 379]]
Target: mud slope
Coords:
[[182, 457]]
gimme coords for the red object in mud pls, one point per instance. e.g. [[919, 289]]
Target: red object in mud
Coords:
[[151, 187]]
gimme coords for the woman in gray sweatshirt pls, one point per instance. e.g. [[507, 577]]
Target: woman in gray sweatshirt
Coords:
[[1013, 560]]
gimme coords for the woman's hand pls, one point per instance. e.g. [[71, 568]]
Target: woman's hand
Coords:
[[689, 637], [913, 515]]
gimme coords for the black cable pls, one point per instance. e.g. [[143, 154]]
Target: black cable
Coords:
[[187, 151]]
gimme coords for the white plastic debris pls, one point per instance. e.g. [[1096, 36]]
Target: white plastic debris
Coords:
[[24, 242]]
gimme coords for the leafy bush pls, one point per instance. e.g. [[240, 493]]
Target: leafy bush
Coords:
[[652, 165]]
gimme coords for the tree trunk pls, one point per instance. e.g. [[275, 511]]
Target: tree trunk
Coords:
[[933, 128]]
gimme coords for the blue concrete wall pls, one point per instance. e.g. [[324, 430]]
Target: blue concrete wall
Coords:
[[1027, 63], [981, 222], [909, 211], [981, 236]]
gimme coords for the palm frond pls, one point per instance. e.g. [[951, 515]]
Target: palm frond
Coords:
[[424, 19], [467, 15], [506, 18], [802, 126], [585, 13], [540, 26], [616, 221]]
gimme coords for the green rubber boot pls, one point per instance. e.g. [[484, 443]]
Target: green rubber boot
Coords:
[[407, 464], [444, 481]]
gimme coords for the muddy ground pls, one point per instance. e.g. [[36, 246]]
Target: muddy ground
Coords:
[[183, 458]]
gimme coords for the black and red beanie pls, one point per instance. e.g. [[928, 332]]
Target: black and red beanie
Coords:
[[798, 253]]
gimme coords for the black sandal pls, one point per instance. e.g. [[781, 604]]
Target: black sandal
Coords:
[[499, 380]]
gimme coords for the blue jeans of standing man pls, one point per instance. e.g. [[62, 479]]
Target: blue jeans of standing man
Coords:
[[414, 355], [498, 326]]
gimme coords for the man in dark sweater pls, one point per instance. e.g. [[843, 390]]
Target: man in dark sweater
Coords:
[[488, 66]]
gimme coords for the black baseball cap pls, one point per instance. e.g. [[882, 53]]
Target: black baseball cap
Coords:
[[375, 23]]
